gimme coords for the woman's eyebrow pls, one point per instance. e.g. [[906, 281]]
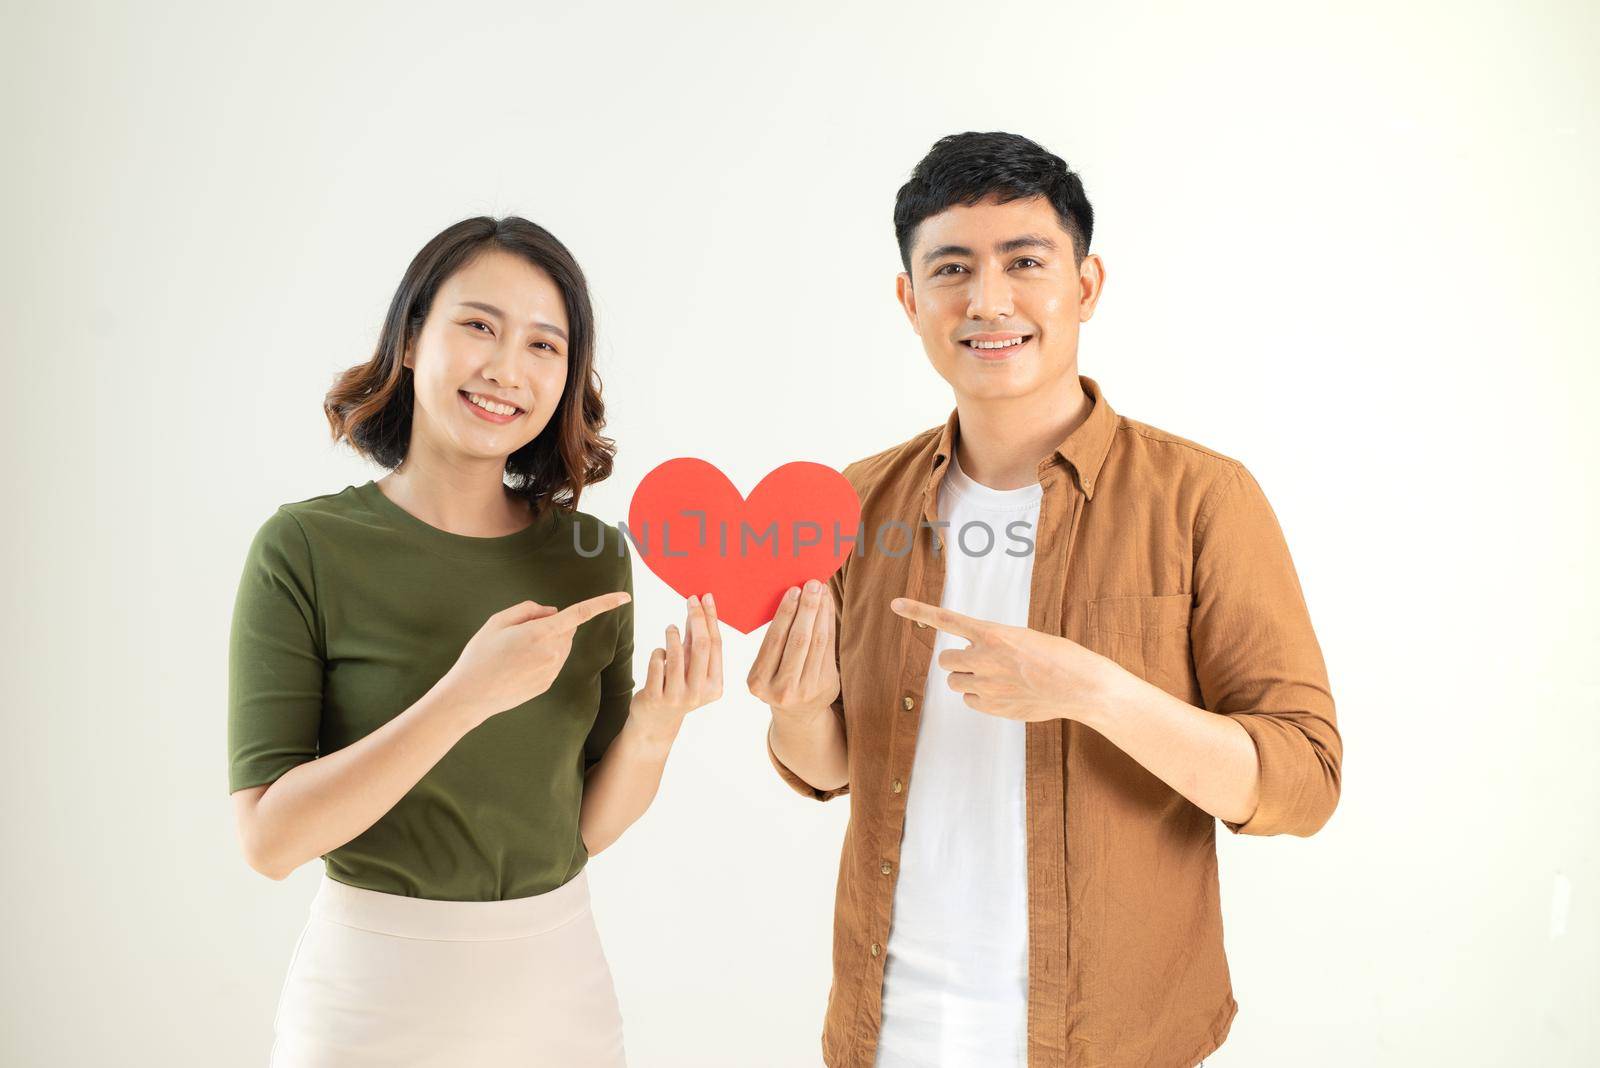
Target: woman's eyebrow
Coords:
[[492, 310]]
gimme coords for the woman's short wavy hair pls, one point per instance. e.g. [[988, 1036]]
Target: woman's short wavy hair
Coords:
[[370, 404]]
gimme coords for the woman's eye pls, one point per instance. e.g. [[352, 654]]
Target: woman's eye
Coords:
[[546, 344], [475, 322]]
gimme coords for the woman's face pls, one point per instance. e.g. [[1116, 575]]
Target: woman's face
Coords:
[[497, 335]]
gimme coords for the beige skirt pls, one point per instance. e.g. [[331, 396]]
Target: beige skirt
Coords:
[[384, 979]]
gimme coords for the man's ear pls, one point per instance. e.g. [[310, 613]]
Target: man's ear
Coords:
[[908, 299], [1091, 282]]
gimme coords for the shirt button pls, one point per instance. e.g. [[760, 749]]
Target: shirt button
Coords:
[[896, 786], [907, 703], [921, 624], [886, 868], [876, 949]]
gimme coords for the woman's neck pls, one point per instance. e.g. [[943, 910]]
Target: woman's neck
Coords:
[[467, 498]]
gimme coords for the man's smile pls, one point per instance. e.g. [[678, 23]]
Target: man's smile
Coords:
[[996, 346]]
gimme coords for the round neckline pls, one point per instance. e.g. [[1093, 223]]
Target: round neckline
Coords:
[[461, 545], [964, 485]]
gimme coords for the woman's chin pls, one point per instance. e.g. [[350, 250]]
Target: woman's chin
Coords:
[[482, 440], [477, 446]]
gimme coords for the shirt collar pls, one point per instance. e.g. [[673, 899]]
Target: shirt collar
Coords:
[[1084, 450]]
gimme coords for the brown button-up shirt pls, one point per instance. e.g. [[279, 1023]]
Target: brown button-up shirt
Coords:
[[1164, 556]]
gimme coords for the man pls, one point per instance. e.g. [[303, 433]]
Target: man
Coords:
[[1039, 738]]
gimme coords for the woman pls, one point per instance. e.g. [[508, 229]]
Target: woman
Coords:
[[431, 682]]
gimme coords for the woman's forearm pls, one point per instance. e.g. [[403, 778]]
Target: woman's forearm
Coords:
[[621, 786], [318, 806]]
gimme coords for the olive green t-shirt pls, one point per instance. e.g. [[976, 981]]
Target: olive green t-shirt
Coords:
[[350, 609]]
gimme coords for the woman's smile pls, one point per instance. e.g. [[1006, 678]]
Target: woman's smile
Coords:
[[486, 408]]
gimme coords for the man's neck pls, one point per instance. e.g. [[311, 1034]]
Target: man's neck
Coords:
[[1001, 441]]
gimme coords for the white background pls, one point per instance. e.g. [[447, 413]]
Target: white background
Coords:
[[1352, 245]]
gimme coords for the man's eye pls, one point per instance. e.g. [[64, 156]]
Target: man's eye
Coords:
[[1028, 259], [948, 268]]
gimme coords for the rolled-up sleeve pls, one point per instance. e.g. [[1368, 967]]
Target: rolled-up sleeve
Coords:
[[796, 783], [1257, 658]]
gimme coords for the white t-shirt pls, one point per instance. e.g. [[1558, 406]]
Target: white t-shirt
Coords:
[[955, 988]]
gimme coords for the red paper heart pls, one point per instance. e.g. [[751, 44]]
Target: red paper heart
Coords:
[[734, 552]]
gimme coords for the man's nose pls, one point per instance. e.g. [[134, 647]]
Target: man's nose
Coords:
[[991, 295]]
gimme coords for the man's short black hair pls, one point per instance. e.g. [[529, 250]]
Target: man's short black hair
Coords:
[[968, 167]]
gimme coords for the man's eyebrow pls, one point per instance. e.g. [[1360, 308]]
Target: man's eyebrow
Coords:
[[492, 310], [944, 250], [1026, 241], [1013, 245]]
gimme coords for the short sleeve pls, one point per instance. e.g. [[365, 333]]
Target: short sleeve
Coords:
[[795, 782], [1258, 661], [275, 658], [616, 678]]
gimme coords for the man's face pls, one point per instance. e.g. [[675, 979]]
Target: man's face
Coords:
[[996, 298], [496, 332]]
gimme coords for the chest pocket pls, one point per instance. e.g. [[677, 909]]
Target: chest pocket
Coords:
[[1149, 636]]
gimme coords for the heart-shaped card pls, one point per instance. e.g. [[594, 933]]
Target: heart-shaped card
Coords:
[[696, 532]]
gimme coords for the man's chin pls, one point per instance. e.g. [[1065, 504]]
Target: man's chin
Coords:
[[994, 380]]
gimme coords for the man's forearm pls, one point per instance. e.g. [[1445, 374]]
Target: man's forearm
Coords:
[[1205, 756], [812, 745], [619, 789]]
